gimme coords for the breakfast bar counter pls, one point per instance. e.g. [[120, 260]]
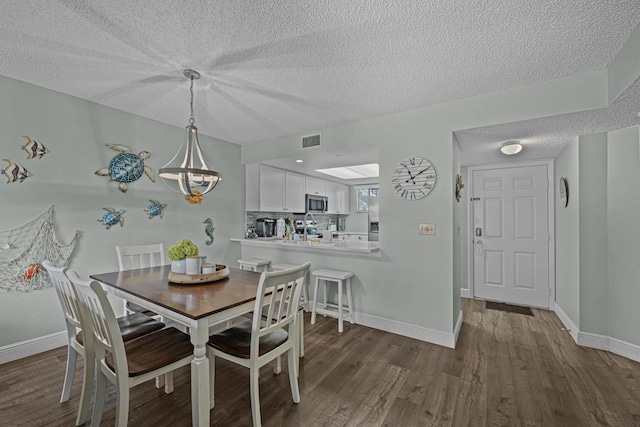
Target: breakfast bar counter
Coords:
[[344, 247]]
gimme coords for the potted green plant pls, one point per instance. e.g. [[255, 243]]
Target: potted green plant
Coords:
[[178, 252]]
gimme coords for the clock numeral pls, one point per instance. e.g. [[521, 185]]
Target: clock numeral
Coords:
[[404, 193], [412, 160], [413, 195], [397, 187]]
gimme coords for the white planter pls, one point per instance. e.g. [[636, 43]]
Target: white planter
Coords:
[[194, 265], [179, 266]]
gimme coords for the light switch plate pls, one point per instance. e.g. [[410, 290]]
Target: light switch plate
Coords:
[[427, 229]]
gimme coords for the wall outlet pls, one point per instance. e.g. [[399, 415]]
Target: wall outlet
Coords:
[[427, 229]]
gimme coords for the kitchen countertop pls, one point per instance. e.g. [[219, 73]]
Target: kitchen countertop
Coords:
[[337, 246]]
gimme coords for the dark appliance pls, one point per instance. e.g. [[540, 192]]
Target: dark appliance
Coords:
[[265, 227], [317, 203]]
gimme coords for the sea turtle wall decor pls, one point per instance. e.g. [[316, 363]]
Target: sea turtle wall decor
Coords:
[[155, 209], [15, 171], [34, 148], [112, 217], [126, 167]]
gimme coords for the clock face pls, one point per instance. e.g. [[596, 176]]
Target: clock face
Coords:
[[414, 178]]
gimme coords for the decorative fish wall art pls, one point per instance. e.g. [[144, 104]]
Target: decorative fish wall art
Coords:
[[112, 217], [155, 209], [34, 148], [15, 171], [126, 167], [209, 230]]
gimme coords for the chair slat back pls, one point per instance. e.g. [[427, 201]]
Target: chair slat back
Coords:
[[281, 290], [140, 256], [101, 321], [66, 294]]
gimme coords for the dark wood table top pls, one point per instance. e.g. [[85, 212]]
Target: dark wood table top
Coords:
[[193, 301]]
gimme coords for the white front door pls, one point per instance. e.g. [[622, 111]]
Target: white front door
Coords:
[[511, 235]]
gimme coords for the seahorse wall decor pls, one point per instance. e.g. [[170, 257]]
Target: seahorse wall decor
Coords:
[[209, 230]]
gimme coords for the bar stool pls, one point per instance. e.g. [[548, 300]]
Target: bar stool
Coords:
[[340, 278], [255, 264]]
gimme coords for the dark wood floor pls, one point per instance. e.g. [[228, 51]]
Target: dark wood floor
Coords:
[[508, 370]]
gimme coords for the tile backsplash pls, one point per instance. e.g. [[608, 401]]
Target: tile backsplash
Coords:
[[323, 220]]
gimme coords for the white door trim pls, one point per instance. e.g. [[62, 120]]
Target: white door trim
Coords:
[[549, 163]]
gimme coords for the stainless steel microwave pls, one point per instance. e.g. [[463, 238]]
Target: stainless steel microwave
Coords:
[[317, 203]]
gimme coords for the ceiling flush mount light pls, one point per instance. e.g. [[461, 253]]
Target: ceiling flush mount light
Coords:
[[189, 172], [511, 147]]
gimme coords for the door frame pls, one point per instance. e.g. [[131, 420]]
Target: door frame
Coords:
[[549, 163]]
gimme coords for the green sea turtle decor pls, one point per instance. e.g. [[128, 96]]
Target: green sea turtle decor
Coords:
[[155, 209], [126, 167], [112, 217]]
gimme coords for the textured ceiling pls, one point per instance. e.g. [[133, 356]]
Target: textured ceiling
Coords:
[[279, 67], [545, 138]]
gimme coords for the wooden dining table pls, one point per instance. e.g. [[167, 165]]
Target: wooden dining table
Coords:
[[197, 306]]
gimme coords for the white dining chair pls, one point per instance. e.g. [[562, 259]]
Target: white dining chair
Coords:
[[125, 363], [131, 327], [140, 256], [255, 344]]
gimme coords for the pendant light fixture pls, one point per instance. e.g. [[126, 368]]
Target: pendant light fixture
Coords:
[[189, 172]]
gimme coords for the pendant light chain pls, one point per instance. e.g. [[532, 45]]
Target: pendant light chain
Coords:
[[192, 120]]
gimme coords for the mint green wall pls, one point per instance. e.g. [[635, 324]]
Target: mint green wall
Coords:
[[75, 131], [413, 283], [463, 231], [457, 244], [594, 281], [623, 220], [567, 234]]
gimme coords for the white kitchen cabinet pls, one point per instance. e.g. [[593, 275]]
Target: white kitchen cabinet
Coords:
[[338, 197], [332, 197], [315, 186], [359, 237], [270, 189], [294, 194], [342, 199]]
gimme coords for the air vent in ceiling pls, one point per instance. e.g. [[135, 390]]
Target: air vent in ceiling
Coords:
[[311, 141]]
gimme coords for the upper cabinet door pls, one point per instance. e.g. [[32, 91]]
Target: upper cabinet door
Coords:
[[342, 199], [271, 189], [315, 186], [332, 199], [294, 197]]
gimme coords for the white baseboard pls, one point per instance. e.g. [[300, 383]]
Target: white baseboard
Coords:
[[465, 293], [405, 329], [599, 342], [614, 345], [567, 322], [456, 330], [16, 351]]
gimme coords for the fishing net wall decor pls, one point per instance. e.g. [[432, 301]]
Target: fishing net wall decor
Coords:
[[23, 249]]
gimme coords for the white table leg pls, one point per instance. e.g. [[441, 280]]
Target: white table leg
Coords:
[[340, 326], [350, 300], [200, 401]]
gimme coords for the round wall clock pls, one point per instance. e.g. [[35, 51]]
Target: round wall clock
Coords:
[[564, 191], [414, 178]]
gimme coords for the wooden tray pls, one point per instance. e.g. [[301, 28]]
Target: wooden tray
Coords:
[[194, 279]]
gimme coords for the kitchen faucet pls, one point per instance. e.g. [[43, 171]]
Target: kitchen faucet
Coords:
[[304, 239]]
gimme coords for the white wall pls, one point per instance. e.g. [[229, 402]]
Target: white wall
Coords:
[[567, 233], [413, 283], [76, 132], [623, 224], [594, 266]]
